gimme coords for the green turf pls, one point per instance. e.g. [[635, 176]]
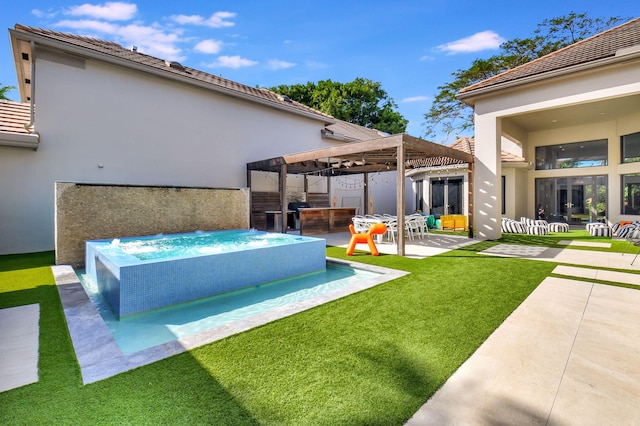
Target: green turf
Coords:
[[370, 358]]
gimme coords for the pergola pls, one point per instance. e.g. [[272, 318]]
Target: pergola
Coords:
[[397, 152]]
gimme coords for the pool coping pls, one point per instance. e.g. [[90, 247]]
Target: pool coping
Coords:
[[100, 357]]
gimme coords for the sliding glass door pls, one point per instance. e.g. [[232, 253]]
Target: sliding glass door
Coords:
[[447, 196], [575, 200]]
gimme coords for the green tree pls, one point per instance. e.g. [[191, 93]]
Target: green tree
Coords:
[[4, 90], [451, 116], [361, 102]]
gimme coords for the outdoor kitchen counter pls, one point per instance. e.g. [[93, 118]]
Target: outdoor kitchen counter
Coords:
[[325, 220]]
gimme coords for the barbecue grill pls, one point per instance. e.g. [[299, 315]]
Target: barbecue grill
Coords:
[[295, 207]]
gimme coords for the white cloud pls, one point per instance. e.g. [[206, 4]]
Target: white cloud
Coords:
[[91, 25], [479, 41], [42, 14], [110, 11], [277, 64], [185, 19], [415, 99], [317, 65], [216, 20], [232, 62], [426, 58], [150, 40], [208, 46]]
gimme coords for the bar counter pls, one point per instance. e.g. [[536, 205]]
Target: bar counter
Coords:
[[325, 220]]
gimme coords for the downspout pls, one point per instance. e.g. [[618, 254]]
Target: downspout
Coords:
[[32, 98]]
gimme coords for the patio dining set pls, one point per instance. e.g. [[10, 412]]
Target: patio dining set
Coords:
[[415, 226]]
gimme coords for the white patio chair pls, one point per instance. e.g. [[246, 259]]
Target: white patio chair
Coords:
[[360, 225], [392, 230], [417, 224]]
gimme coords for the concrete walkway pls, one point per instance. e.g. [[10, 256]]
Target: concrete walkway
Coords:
[[568, 355], [19, 333]]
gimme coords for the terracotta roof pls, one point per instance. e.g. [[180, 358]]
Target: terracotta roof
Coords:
[[13, 117], [468, 145], [598, 47], [465, 145], [172, 70], [343, 130]]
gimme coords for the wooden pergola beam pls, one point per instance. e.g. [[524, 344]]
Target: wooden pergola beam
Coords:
[[382, 154]]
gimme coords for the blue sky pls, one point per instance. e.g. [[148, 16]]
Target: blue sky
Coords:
[[410, 47]]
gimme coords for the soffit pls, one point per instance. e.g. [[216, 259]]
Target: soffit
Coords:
[[581, 114]]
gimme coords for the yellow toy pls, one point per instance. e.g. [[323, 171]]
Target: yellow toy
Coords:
[[366, 238]]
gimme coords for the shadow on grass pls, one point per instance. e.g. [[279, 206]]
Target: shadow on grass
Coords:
[[14, 262], [173, 391]]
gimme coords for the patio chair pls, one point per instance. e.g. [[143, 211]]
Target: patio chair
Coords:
[[392, 229], [417, 224], [632, 238], [624, 230], [360, 224], [512, 226]]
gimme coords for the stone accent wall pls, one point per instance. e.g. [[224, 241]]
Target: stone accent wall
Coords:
[[94, 211]]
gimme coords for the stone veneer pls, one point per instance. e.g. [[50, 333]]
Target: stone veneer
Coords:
[[96, 211]]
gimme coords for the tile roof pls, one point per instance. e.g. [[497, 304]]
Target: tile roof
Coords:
[[468, 145], [598, 47], [13, 117], [346, 131], [174, 69]]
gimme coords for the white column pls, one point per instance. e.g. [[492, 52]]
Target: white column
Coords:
[[487, 182]]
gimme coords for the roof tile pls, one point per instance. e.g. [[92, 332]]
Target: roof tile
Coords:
[[13, 117], [600, 46], [117, 51]]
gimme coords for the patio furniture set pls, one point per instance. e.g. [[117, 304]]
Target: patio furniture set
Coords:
[[415, 226], [532, 226]]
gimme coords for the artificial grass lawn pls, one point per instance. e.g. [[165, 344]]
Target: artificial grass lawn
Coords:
[[370, 358]]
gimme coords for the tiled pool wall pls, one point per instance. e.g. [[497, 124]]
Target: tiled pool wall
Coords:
[[131, 285]]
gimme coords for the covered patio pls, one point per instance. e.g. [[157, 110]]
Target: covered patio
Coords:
[[399, 152]]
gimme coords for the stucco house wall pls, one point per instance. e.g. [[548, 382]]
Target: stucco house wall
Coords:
[[101, 123], [491, 110]]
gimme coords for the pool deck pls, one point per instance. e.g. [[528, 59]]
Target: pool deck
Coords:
[[567, 355], [100, 357]]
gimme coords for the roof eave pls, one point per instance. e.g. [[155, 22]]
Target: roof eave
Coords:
[[468, 97], [88, 53]]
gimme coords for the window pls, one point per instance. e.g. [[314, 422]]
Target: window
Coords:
[[576, 199], [570, 155], [631, 194], [630, 148]]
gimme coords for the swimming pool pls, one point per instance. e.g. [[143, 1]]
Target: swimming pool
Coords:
[[147, 329], [139, 274], [100, 356]]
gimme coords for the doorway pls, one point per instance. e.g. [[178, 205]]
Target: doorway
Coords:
[[574, 200], [446, 196]]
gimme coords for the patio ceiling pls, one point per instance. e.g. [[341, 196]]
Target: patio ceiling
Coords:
[[376, 155]]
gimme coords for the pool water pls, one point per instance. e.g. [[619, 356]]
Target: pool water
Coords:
[[195, 244], [139, 274], [148, 329]]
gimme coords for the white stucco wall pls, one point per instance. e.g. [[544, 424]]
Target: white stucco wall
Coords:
[[104, 124], [491, 110]]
